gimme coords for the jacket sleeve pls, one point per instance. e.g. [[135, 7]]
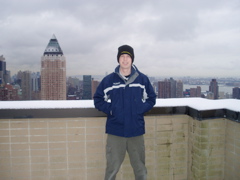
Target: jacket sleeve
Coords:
[[100, 98], [149, 97]]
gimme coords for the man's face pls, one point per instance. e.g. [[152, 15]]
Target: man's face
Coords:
[[125, 61]]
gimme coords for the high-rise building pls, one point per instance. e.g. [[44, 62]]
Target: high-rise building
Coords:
[[26, 85], [7, 77], [214, 88], [3, 71], [8, 93], [236, 93], [87, 87], [53, 72], [36, 81], [195, 92], [173, 87], [94, 86], [179, 89], [170, 88], [18, 79], [199, 91], [36, 85], [164, 89]]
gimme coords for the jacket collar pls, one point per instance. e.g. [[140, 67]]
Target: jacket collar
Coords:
[[134, 74]]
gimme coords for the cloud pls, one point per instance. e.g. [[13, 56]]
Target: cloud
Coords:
[[174, 38]]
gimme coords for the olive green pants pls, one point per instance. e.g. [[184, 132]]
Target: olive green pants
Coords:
[[116, 149]]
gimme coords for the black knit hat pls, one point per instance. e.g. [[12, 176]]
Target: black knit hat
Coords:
[[125, 49]]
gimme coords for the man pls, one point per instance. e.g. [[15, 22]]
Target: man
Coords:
[[125, 95]]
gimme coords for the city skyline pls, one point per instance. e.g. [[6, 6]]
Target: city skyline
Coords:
[[170, 38]]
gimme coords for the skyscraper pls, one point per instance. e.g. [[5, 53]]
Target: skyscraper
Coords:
[[179, 89], [53, 72], [36, 85], [26, 85], [169, 88], [214, 88], [164, 89], [195, 92], [2, 70], [236, 93], [36, 81], [94, 86], [173, 87], [87, 87]]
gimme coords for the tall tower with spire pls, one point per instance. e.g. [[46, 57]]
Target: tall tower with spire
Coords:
[[53, 72]]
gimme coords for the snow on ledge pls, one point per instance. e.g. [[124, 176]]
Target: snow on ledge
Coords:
[[195, 103], [200, 104]]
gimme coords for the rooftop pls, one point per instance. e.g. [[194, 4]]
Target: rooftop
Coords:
[[53, 47], [186, 138]]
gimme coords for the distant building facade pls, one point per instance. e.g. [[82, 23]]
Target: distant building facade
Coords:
[[36, 81], [74, 88], [8, 93], [213, 87], [53, 72], [236, 93], [164, 89], [26, 85], [2, 69], [179, 90], [170, 88], [36, 86], [94, 86], [87, 87], [4, 74], [210, 95], [195, 92]]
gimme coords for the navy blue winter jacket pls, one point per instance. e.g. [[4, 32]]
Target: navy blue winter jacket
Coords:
[[125, 102]]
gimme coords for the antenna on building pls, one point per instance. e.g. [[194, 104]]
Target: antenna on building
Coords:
[[54, 37]]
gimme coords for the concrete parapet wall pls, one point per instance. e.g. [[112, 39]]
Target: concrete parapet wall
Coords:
[[232, 151], [207, 149], [178, 147]]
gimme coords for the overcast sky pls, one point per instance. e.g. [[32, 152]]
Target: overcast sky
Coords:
[[169, 37]]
